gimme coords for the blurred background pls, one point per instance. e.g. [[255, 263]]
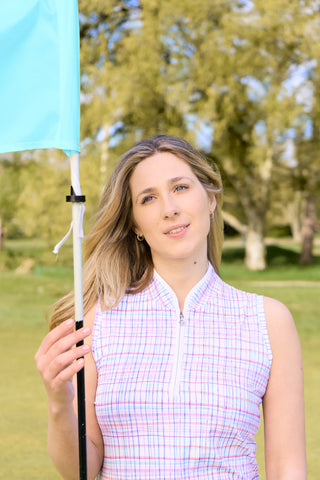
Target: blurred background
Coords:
[[240, 80]]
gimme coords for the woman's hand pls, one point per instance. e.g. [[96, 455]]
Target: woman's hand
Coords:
[[58, 360]]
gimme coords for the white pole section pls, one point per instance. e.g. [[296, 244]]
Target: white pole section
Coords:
[[77, 217]]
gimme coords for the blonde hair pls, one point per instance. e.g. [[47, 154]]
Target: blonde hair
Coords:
[[116, 263]]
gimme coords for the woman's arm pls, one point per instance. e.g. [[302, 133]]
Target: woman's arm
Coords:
[[57, 362], [283, 404]]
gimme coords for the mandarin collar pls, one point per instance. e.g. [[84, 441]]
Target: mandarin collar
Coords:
[[162, 292]]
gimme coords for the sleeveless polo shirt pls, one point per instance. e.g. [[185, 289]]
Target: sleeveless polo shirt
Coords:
[[179, 393]]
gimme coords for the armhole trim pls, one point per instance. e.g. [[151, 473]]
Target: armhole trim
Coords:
[[96, 336], [263, 327]]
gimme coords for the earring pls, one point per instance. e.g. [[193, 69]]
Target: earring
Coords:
[[211, 215], [140, 238]]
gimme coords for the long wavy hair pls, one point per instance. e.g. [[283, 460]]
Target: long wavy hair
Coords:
[[115, 263]]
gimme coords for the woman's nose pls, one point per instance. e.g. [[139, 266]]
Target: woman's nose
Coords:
[[170, 207]]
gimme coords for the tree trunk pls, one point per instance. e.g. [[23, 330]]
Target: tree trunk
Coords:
[[255, 258], [309, 227], [234, 222], [253, 193], [295, 227], [294, 214]]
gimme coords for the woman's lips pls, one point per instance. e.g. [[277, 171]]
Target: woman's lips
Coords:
[[177, 230]]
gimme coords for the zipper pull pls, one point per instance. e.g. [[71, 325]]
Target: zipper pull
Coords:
[[181, 320]]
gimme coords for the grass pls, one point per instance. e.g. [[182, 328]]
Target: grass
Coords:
[[24, 298]]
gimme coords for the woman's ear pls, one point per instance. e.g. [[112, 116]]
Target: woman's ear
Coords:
[[134, 227], [212, 202], [136, 231]]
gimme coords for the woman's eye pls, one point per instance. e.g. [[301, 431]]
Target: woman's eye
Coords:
[[181, 187], [147, 199]]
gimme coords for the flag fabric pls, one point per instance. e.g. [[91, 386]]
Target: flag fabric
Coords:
[[39, 75]]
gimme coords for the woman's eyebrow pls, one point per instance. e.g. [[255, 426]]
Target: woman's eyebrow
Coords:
[[145, 191], [171, 181], [178, 179]]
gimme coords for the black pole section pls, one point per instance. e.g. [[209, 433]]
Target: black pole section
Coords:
[[81, 417]]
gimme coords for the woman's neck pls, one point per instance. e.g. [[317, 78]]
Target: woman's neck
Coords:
[[182, 276]]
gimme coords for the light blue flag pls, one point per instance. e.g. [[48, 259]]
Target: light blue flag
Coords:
[[39, 75]]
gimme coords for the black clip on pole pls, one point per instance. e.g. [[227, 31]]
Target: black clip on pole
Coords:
[[73, 198], [80, 382]]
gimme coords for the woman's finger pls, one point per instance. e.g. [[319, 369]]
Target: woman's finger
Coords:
[[54, 335], [62, 362], [67, 342], [60, 342], [67, 373]]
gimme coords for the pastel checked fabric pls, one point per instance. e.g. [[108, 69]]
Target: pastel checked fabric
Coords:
[[178, 397]]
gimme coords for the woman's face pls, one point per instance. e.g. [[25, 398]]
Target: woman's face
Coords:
[[171, 209]]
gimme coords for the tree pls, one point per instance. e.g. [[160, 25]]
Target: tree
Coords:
[[44, 182], [308, 146], [309, 176], [126, 87], [182, 66], [10, 183], [239, 60], [301, 171]]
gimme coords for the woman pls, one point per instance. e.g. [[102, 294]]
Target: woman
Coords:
[[177, 361]]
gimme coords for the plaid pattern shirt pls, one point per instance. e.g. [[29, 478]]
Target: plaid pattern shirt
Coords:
[[179, 393]]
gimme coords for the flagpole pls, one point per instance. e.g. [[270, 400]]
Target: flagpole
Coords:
[[77, 214]]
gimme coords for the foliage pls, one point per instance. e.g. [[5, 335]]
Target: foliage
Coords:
[[45, 184], [10, 185], [238, 79], [222, 68]]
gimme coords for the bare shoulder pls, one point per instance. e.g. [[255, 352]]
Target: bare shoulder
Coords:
[[90, 316], [88, 321], [280, 323], [276, 310], [284, 340]]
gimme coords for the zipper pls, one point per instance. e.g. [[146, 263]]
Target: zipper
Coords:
[[177, 361]]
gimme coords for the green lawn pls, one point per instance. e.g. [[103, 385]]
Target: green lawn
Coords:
[[24, 298]]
